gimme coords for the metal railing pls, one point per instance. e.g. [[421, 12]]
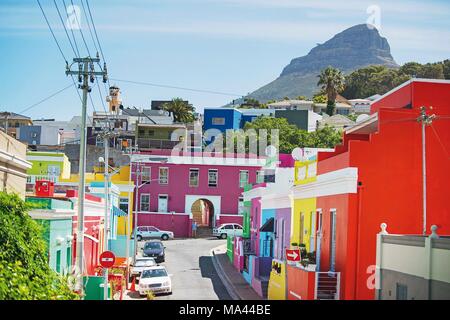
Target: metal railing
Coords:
[[156, 143]]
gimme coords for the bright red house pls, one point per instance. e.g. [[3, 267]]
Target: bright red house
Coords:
[[386, 152]]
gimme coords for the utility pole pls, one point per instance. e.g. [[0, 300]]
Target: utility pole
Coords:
[[426, 120], [107, 211], [138, 173], [86, 72]]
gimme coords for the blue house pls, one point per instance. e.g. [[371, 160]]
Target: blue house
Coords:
[[222, 119]]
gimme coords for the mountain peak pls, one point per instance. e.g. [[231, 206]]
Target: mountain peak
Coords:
[[356, 47]]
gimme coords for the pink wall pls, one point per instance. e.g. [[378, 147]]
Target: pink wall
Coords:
[[179, 224], [230, 219], [178, 186]]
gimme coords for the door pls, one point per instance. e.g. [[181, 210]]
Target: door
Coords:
[[162, 203], [332, 240], [58, 261], [312, 228], [143, 231], [319, 238], [281, 240], [153, 232]]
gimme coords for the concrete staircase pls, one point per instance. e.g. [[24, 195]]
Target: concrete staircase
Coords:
[[204, 232], [327, 286]]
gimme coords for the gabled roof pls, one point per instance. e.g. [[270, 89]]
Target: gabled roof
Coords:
[[13, 116]]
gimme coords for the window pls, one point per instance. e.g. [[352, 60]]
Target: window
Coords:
[[218, 121], [241, 205], [151, 133], [58, 261], [228, 227], [123, 204], [260, 176], [152, 229], [99, 141], [141, 132], [302, 226], [146, 174], [163, 175], [145, 202], [236, 226], [212, 178], [193, 177], [68, 258], [243, 178]]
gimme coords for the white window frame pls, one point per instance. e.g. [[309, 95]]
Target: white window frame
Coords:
[[217, 178], [143, 176], [241, 207], [259, 174], [241, 185], [140, 202], [124, 200], [198, 177], [159, 175]]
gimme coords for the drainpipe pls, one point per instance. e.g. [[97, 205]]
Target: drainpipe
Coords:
[[358, 219]]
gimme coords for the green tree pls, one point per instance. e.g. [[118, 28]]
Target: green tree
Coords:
[[302, 98], [332, 82], [24, 270], [319, 98], [446, 68], [289, 135], [181, 110]]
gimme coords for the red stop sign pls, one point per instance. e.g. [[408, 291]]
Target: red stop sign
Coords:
[[107, 259]]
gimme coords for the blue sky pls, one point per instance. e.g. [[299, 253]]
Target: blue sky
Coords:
[[231, 46]]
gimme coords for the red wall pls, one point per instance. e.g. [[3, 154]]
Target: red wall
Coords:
[[390, 172], [230, 219], [301, 282]]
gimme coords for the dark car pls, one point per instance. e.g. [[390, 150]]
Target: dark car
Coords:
[[154, 249]]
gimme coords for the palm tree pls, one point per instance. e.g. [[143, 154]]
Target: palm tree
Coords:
[[332, 82], [182, 111]]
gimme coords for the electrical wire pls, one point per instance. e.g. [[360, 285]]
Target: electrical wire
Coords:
[[176, 87], [45, 99]]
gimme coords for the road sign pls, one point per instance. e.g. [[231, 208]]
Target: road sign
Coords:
[[107, 259], [293, 255]]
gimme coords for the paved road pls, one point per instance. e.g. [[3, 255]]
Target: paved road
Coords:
[[194, 276]]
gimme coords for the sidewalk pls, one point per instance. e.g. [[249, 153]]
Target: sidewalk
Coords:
[[232, 279]]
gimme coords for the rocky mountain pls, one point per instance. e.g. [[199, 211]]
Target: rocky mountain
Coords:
[[351, 49]]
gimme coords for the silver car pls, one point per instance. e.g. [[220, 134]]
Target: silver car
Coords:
[[152, 232], [141, 264]]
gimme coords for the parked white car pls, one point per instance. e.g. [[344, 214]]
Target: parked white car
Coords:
[[155, 279], [146, 232], [228, 229], [141, 264]]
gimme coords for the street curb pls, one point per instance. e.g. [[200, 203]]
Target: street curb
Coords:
[[224, 278]]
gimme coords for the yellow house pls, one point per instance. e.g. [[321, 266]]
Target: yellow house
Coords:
[[122, 180]]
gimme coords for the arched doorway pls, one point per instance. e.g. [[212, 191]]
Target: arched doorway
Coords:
[[203, 213]]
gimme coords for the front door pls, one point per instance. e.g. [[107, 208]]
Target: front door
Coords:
[[162, 203]]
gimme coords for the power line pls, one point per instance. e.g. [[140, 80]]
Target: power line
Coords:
[[71, 30], [51, 30], [47, 98], [180, 88], [64, 26]]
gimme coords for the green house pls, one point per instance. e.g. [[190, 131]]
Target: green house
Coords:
[[55, 216], [48, 165]]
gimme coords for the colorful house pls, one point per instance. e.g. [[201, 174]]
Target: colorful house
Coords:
[[270, 215], [51, 166], [55, 216], [376, 177], [170, 189]]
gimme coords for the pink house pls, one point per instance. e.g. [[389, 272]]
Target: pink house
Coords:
[[176, 190]]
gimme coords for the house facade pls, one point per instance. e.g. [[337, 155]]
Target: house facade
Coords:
[[171, 189], [13, 165]]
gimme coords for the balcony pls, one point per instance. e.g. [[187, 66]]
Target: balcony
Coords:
[[144, 143]]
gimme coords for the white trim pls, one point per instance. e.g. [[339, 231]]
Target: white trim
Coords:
[[91, 237], [295, 295], [52, 214], [14, 172], [217, 178], [336, 182], [230, 215], [191, 198], [15, 160], [46, 159], [277, 202]]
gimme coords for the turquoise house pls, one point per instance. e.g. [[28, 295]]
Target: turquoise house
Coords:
[[55, 217]]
